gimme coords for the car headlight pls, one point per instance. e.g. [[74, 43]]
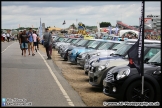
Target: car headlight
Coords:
[[98, 53], [83, 55], [123, 74], [100, 68], [65, 50]]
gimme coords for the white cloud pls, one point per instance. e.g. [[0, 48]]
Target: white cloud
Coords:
[[54, 13]]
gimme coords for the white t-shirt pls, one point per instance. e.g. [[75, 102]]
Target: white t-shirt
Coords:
[[4, 35], [34, 37], [8, 35]]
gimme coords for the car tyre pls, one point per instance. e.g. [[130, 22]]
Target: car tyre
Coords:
[[134, 92]]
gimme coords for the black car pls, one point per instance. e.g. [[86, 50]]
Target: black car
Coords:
[[97, 74], [124, 83]]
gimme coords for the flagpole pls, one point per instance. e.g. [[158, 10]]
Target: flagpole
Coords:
[[141, 40]]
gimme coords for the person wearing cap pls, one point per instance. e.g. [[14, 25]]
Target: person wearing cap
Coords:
[[47, 37]]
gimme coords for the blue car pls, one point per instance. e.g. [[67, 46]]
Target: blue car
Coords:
[[91, 45], [82, 44]]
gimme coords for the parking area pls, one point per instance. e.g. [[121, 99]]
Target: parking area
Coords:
[[75, 75]]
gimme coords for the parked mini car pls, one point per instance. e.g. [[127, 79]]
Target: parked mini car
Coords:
[[72, 56], [66, 41], [105, 47], [65, 45], [64, 50], [124, 83], [100, 67], [93, 57], [60, 39]]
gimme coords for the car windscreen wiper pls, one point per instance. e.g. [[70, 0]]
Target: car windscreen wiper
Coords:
[[91, 47], [154, 63], [116, 55]]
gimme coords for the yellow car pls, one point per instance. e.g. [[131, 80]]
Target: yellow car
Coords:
[[88, 37]]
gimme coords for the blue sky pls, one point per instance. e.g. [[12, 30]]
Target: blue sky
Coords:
[[54, 13]]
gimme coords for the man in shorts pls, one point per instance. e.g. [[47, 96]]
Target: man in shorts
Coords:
[[23, 42], [30, 41]]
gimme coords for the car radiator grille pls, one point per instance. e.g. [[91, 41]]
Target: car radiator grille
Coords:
[[109, 77]]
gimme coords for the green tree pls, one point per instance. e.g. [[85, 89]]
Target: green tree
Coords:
[[73, 26], [105, 24]]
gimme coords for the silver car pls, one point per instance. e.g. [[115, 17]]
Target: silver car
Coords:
[[100, 67], [104, 48]]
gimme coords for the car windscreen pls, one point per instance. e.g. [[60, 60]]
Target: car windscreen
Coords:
[[81, 43], [156, 58], [105, 46], [152, 52], [102, 44], [124, 49], [75, 42], [60, 39], [89, 43], [94, 44], [69, 40]]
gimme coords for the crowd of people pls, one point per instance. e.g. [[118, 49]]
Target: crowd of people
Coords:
[[6, 36], [28, 40]]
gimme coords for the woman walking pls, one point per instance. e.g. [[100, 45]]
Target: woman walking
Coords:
[[35, 40]]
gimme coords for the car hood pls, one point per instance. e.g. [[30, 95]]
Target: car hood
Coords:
[[114, 61], [80, 50], [147, 67], [101, 52]]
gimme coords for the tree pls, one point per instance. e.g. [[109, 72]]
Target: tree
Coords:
[[105, 24], [73, 26]]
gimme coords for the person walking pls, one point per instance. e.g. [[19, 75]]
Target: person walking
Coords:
[[4, 37], [38, 40], [30, 41], [18, 38], [47, 37], [24, 42], [8, 35], [35, 40]]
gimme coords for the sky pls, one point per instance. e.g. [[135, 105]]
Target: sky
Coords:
[[28, 13]]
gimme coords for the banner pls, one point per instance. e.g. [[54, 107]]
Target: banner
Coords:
[[40, 29], [135, 53]]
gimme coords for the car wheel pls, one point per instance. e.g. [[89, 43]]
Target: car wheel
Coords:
[[134, 92]]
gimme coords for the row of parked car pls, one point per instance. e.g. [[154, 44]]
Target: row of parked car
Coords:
[[106, 64]]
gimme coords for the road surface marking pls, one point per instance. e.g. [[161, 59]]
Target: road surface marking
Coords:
[[58, 83], [7, 47]]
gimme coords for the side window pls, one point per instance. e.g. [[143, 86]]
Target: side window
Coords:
[[151, 53]]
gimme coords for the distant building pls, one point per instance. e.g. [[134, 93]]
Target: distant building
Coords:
[[153, 24]]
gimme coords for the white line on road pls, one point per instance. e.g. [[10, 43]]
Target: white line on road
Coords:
[[7, 47], [58, 83]]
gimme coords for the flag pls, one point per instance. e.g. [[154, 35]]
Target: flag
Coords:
[[40, 29], [110, 30], [64, 22], [135, 53], [116, 30]]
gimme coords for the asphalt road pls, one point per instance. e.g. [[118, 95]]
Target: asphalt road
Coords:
[[33, 80]]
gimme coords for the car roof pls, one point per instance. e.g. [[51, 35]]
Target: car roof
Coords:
[[153, 45]]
